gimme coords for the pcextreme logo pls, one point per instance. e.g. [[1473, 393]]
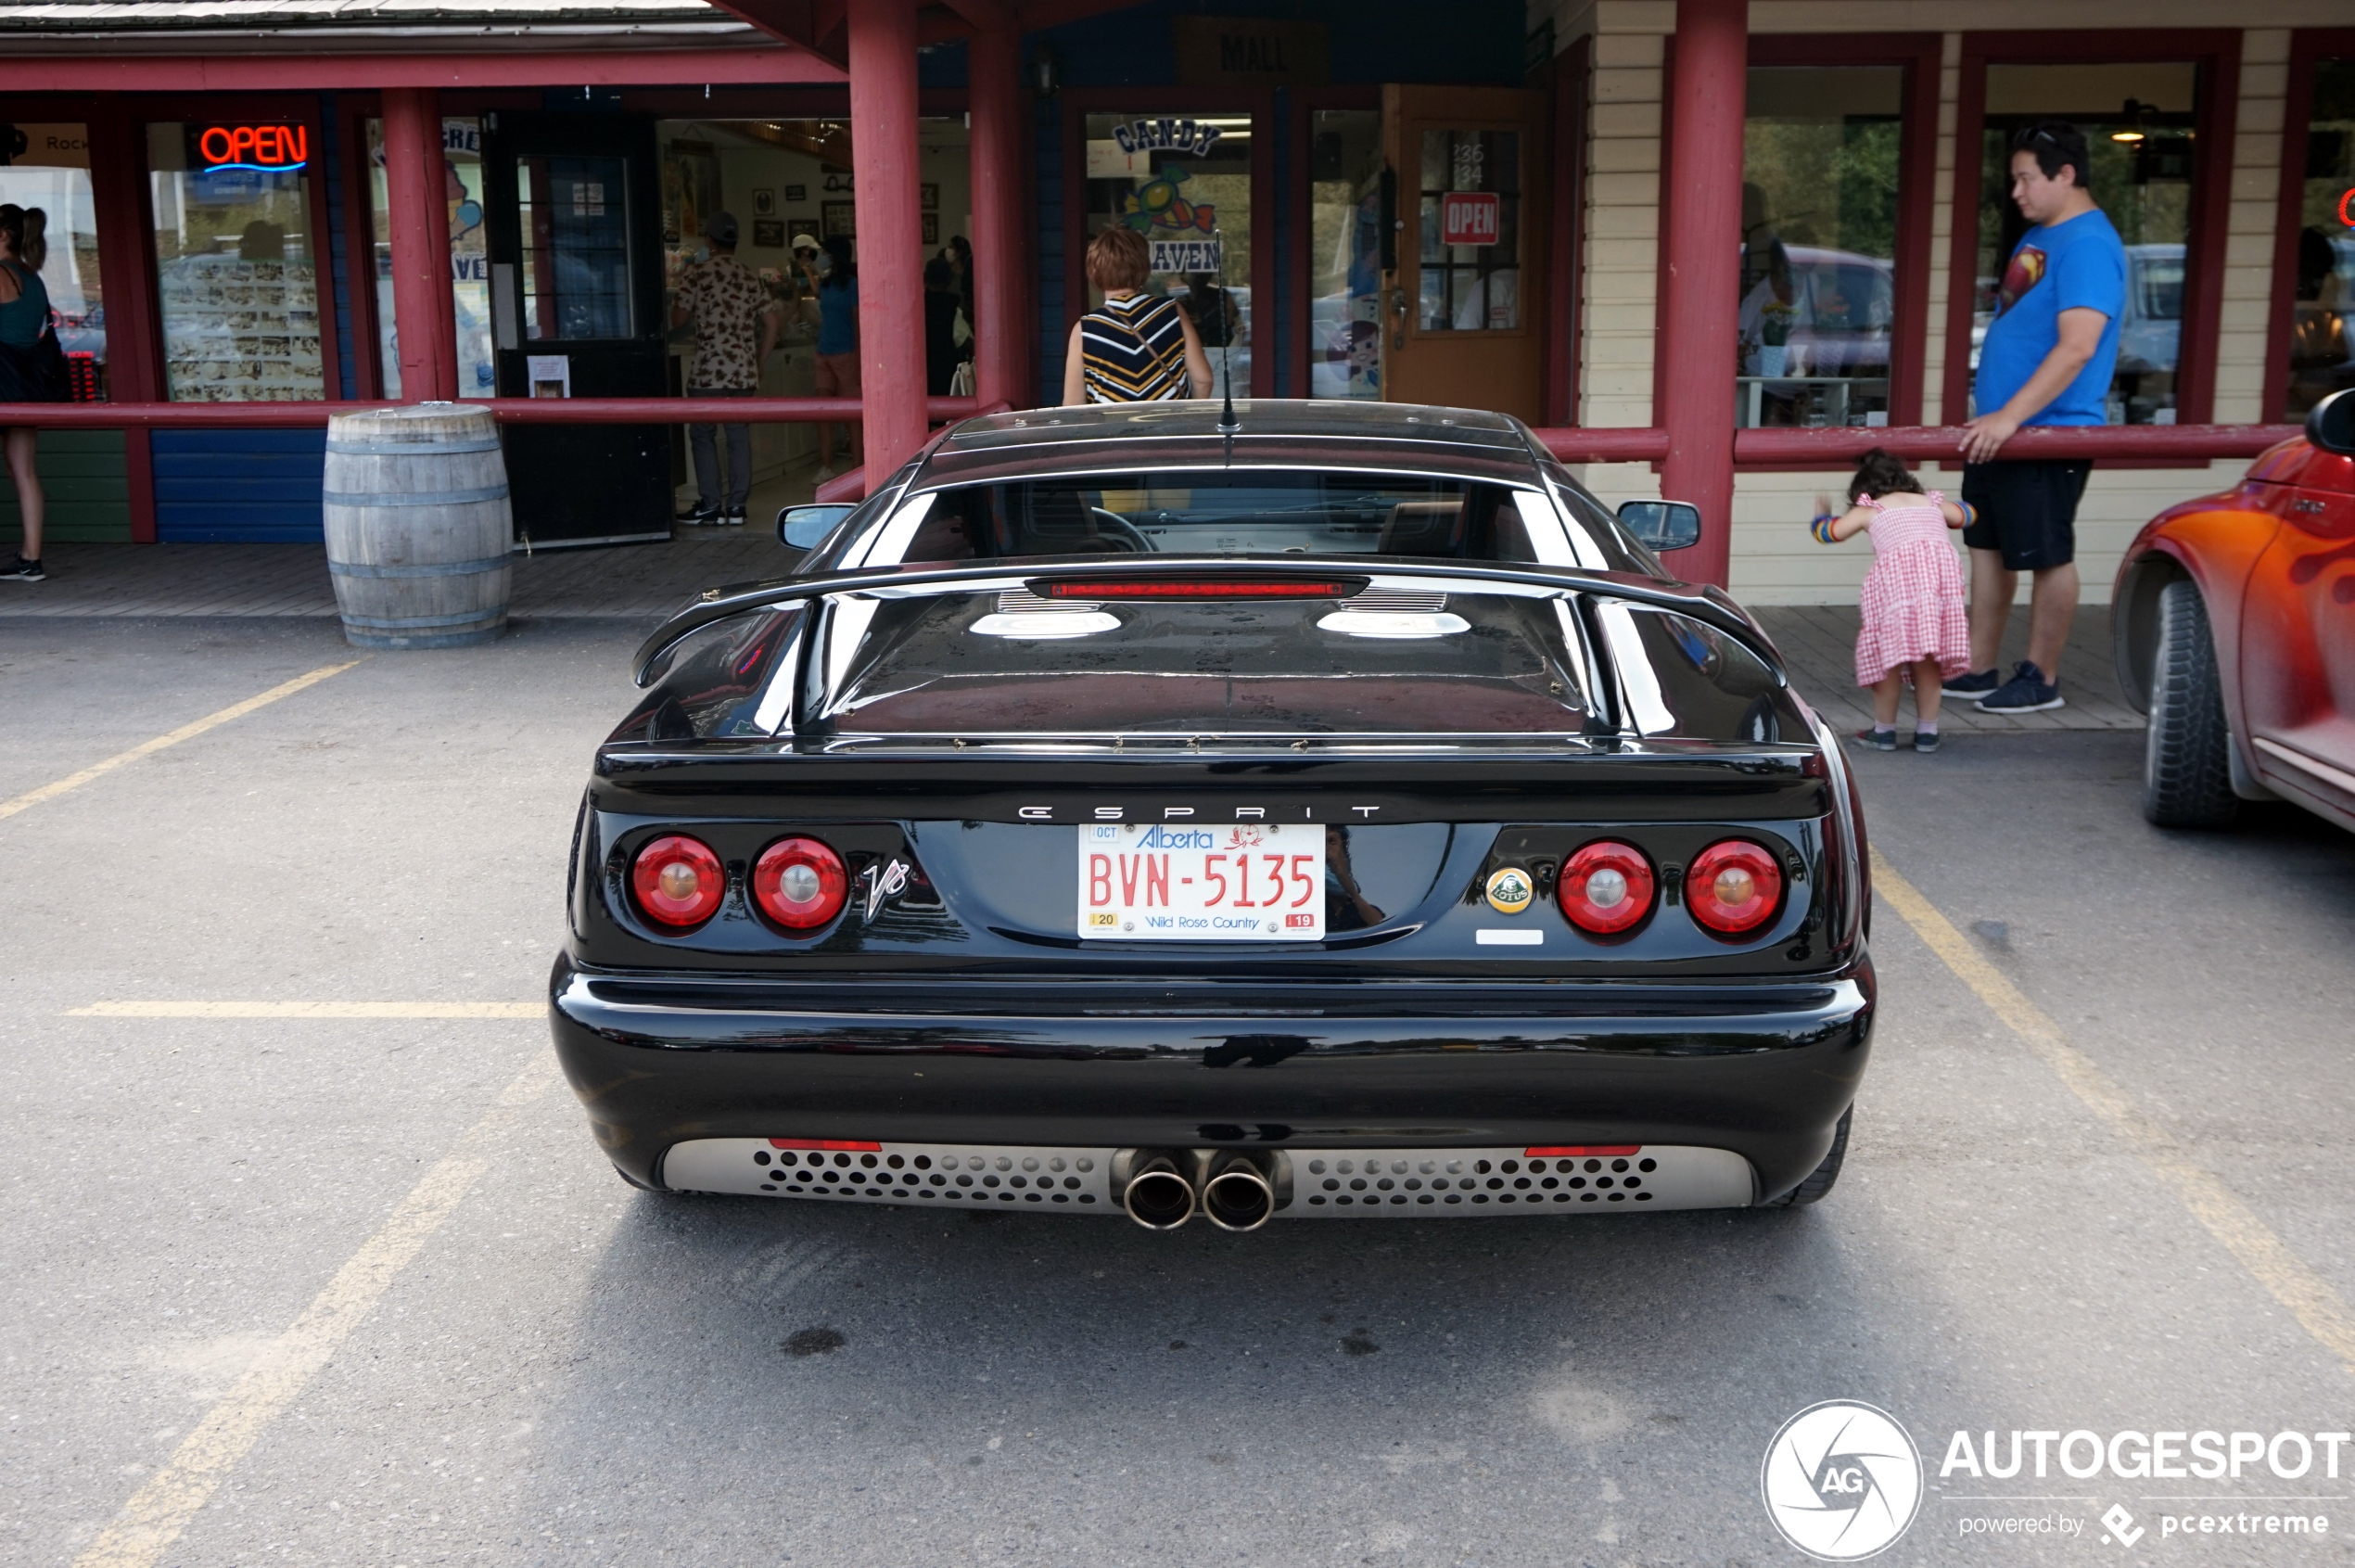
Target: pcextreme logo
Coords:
[[1841, 1481]]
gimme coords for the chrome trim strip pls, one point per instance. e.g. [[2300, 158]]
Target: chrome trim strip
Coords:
[[2338, 778]]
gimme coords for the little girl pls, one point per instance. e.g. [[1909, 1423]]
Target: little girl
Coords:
[[1914, 624]]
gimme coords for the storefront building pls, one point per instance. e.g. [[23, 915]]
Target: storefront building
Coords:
[[1709, 247]]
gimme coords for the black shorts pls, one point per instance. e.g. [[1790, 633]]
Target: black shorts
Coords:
[[2027, 509]]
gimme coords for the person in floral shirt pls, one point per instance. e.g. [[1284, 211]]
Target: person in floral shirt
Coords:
[[730, 310]]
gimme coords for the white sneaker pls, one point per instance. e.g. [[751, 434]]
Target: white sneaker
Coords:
[[825, 473]]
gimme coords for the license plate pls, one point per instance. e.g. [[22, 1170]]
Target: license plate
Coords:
[[1164, 882]]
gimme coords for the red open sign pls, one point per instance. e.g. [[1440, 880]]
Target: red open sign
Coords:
[[281, 147], [1471, 217]]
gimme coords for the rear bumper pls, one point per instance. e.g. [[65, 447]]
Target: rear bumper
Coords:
[[1763, 1071]]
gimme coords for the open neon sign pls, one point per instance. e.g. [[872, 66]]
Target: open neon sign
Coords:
[[272, 149]]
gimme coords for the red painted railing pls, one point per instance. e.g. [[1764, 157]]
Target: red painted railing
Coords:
[[507, 411], [1834, 448], [1922, 443]]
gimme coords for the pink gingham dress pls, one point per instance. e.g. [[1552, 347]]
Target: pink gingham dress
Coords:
[[1913, 597]]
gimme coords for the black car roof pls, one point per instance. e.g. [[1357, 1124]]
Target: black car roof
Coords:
[[1275, 432]]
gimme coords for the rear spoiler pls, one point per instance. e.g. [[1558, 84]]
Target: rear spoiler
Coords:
[[1702, 603]]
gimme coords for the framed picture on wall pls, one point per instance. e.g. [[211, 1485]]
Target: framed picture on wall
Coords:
[[768, 234], [932, 197], [932, 228], [690, 190], [764, 203], [796, 192], [841, 218]]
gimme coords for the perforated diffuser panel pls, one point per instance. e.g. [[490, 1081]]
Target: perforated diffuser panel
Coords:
[[1326, 1184], [1446, 1183], [949, 1175]]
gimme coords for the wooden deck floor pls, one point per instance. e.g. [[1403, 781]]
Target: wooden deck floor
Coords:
[[635, 582], [1818, 644], [645, 583]]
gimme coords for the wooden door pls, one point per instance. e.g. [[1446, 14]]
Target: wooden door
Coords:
[[1464, 323]]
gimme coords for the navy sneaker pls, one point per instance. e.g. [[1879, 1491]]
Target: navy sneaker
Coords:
[[23, 571], [1925, 742], [2026, 691], [1879, 740], [1977, 684], [701, 513]]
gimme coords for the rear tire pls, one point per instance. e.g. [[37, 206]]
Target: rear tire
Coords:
[[2187, 764], [1819, 1183]]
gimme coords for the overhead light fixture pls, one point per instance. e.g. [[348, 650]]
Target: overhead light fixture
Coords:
[[2132, 131]]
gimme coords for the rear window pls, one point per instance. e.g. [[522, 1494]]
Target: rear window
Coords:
[[1269, 511], [1399, 658]]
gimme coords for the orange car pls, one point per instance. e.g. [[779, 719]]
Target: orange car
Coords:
[[2233, 628]]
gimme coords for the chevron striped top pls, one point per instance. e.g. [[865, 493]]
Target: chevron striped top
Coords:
[[1134, 350]]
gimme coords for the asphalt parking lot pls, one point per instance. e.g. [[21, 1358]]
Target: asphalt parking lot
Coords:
[[282, 1286]]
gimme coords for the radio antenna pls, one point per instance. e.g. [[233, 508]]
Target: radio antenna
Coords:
[[1228, 424]]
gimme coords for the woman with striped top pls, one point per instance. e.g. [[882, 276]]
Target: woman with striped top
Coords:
[[1135, 347]]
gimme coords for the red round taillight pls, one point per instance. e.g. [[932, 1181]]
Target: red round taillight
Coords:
[[1606, 887], [800, 883], [679, 880], [1733, 887]]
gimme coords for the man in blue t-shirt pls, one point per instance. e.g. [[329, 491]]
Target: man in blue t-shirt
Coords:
[[2047, 359]]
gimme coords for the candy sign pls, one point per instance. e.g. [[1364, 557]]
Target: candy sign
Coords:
[[1471, 217]]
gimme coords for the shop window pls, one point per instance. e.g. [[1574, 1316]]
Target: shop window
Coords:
[[50, 169], [2140, 128], [782, 181], [469, 257], [235, 275], [574, 263], [2322, 348], [1471, 200], [1344, 258], [1821, 150], [1184, 183]]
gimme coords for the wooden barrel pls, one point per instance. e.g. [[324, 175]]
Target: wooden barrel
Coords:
[[418, 526]]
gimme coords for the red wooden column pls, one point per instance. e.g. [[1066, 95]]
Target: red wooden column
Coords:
[[423, 314], [993, 74], [891, 254], [127, 281], [1700, 303]]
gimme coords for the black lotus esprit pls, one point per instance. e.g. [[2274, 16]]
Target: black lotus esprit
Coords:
[[1345, 816]]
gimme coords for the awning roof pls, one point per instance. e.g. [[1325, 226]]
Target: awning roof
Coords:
[[95, 15]]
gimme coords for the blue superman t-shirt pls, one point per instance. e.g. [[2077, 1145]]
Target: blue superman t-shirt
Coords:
[[2077, 265]]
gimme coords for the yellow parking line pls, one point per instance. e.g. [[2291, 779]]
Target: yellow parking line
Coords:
[[156, 1514], [185, 732], [2309, 1296], [310, 1010]]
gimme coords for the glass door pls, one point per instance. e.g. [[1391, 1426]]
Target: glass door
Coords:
[[574, 217], [1184, 183], [1345, 210]]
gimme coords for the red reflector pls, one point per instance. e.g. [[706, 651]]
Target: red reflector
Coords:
[[1554, 1150], [851, 1144], [1207, 588]]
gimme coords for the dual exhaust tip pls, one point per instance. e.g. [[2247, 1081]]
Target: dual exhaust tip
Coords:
[[1233, 1189]]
